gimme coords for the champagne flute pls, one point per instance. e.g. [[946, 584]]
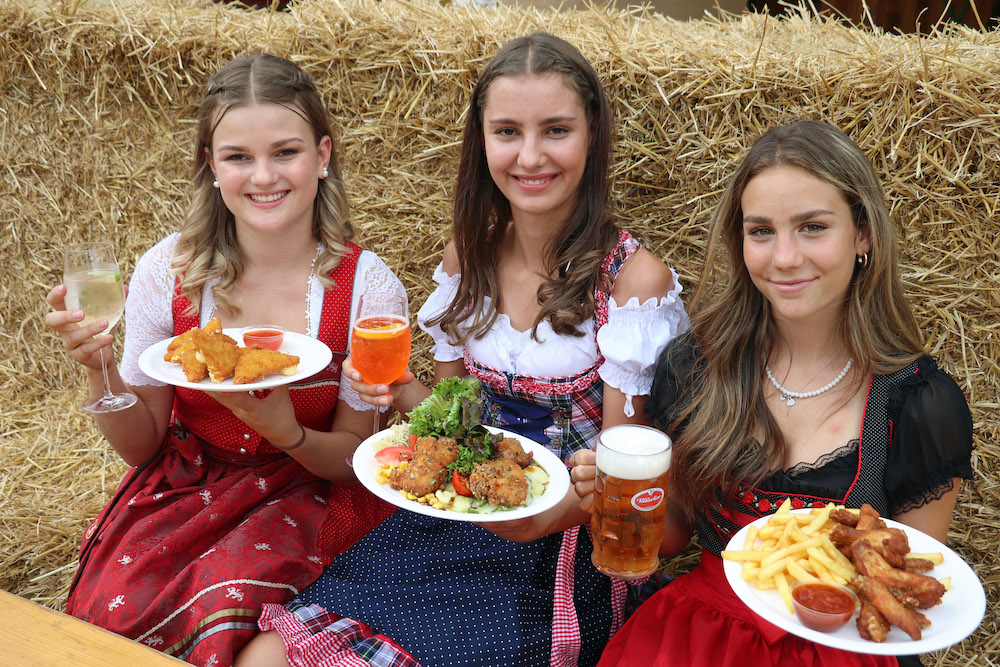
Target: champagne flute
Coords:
[[380, 339], [94, 285]]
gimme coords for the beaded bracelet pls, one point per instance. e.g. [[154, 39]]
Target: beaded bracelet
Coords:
[[297, 444]]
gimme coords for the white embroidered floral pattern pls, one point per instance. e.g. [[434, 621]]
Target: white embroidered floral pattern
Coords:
[[262, 546], [117, 602], [290, 521], [262, 484], [235, 593], [155, 640], [125, 560], [206, 496]]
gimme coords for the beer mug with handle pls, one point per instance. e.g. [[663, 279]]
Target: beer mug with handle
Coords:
[[630, 500]]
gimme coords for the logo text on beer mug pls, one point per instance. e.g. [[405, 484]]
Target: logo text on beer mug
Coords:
[[648, 500]]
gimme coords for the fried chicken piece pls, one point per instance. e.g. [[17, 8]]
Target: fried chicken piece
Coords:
[[845, 517], [510, 449], [442, 451], [214, 327], [923, 590], [891, 543], [174, 347], [917, 565], [499, 482], [909, 621], [428, 471], [257, 362], [871, 623], [419, 477], [868, 518], [219, 355], [194, 370]]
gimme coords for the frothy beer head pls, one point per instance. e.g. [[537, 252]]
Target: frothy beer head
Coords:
[[630, 451]]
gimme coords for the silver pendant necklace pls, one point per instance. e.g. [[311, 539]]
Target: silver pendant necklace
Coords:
[[787, 396]]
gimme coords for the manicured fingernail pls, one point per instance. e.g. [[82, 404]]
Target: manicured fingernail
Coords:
[[77, 314]]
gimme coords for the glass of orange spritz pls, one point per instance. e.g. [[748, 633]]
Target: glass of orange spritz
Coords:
[[380, 339]]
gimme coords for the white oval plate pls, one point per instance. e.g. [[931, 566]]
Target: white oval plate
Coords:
[[313, 356], [365, 467], [959, 614]]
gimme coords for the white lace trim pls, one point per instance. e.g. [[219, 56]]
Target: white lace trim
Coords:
[[149, 308]]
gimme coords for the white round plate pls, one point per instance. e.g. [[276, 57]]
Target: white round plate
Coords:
[[313, 356], [365, 467], [959, 614]]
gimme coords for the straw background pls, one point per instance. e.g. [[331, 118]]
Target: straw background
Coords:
[[96, 101]]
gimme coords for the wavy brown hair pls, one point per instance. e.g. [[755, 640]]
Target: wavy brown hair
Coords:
[[481, 211], [723, 410], [207, 247]]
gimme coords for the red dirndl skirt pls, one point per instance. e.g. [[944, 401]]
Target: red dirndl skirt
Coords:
[[195, 543], [698, 620]]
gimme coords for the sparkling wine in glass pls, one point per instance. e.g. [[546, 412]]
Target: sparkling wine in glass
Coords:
[[94, 285], [380, 339]]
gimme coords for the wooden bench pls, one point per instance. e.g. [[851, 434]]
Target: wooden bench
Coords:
[[35, 635]]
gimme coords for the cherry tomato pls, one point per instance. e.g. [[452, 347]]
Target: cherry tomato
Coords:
[[413, 440], [458, 481], [391, 456]]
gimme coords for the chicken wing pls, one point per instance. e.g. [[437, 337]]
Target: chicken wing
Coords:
[[871, 623], [909, 621], [924, 591], [891, 543]]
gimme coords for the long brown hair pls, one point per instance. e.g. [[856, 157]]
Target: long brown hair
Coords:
[[208, 247], [481, 211], [723, 410]]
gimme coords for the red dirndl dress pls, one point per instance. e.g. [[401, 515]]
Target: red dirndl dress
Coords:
[[219, 522]]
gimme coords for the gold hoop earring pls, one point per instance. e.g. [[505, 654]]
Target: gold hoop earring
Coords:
[[863, 260]]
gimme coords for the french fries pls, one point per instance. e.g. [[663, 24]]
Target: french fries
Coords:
[[792, 547]]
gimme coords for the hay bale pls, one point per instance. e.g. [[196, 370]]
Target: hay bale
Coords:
[[96, 101]]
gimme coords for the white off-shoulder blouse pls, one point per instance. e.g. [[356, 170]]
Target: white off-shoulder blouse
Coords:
[[630, 341], [149, 312]]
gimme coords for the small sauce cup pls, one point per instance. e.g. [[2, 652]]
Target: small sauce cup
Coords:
[[268, 336], [823, 606]]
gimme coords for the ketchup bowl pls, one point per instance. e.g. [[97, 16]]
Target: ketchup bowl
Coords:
[[268, 336], [823, 606]]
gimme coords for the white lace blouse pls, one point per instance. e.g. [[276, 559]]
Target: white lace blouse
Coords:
[[149, 313], [630, 341]]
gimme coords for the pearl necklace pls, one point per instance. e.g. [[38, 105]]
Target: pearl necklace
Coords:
[[788, 396]]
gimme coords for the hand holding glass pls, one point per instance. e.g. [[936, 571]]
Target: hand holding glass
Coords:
[[380, 339], [630, 500], [94, 285]]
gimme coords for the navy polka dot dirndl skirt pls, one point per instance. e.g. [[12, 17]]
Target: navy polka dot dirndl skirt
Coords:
[[454, 594]]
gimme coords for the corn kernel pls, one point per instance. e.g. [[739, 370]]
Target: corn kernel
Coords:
[[438, 505], [410, 496]]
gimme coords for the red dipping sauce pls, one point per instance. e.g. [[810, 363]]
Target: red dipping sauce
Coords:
[[269, 338], [823, 606]]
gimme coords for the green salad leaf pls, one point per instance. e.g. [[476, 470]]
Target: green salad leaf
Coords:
[[453, 410]]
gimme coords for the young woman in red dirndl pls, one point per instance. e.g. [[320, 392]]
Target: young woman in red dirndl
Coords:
[[234, 500]]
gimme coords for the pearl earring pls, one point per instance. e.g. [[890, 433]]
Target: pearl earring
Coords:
[[326, 172], [215, 183]]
